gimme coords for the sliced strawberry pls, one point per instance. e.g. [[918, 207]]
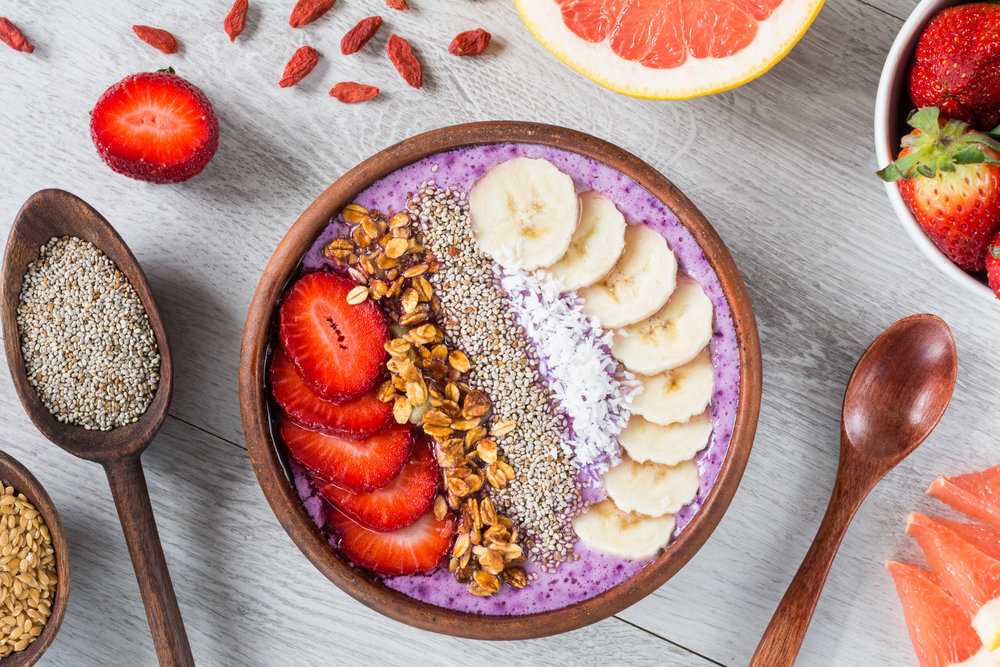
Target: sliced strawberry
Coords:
[[394, 506], [993, 264], [357, 466], [417, 548], [358, 420], [156, 127], [338, 348]]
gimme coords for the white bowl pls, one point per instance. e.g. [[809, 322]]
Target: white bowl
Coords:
[[892, 101]]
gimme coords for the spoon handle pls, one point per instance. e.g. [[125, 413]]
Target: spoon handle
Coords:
[[783, 637], [128, 486]]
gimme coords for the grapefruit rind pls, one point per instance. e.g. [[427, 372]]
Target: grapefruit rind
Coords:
[[697, 76], [986, 623]]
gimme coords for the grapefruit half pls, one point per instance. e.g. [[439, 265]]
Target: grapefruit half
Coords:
[[669, 49], [939, 627]]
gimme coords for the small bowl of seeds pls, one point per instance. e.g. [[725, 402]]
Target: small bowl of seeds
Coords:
[[500, 381], [34, 566]]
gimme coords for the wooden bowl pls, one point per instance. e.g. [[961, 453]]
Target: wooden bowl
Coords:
[[280, 492], [17, 476]]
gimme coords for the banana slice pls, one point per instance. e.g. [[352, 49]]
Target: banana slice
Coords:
[[605, 528], [670, 338], [645, 441], [524, 212], [596, 245], [652, 488], [640, 283], [678, 394]]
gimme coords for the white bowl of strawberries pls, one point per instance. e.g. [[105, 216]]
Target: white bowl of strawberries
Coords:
[[948, 200]]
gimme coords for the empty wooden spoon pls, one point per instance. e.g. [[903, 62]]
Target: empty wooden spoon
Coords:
[[55, 213], [897, 394]]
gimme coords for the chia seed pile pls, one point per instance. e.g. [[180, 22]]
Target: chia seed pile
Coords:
[[546, 493], [88, 347]]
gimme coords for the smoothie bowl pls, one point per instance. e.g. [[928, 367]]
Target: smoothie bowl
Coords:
[[500, 381]]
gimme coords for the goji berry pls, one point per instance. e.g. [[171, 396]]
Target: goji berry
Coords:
[[359, 35], [158, 39], [307, 11], [301, 63], [236, 20], [406, 63], [351, 93], [469, 43], [397, 4], [13, 37]]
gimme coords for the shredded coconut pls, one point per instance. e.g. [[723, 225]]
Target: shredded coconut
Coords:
[[574, 355]]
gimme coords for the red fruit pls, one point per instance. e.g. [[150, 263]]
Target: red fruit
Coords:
[[469, 43], [236, 20], [358, 420], [307, 11], [352, 93], [939, 628], [976, 494], [338, 348], [357, 466], [156, 127], [406, 63], [359, 35], [158, 39], [397, 505], [303, 61], [957, 65], [14, 38], [417, 548], [397, 4], [993, 264], [950, 178]]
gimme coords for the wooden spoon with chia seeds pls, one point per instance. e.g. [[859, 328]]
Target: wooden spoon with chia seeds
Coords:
[[56, 213]]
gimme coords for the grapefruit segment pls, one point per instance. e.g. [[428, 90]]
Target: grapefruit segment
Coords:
[[976, 494], [969, 575], [939, 628], [669, 49]]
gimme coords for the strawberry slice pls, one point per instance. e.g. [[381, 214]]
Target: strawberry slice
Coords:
[[417, 548], [357, 466], [155, 127], [338, 348], [358, 420], [394, 506]]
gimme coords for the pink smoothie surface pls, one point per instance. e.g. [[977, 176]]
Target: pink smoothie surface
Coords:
[[594, 572]]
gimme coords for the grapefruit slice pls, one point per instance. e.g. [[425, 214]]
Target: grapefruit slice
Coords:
[[971, 576], [669, 49], [939, 627], [976, 494]]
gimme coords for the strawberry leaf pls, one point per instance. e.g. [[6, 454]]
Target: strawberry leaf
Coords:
[[969, 155], [925, 120]]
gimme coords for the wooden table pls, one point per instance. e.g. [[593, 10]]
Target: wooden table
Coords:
[[781, 166]]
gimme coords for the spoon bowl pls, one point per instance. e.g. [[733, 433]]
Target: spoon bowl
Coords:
[[56, 213], [897, 394]]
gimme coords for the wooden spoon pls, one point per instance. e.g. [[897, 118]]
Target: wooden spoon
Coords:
[[50, 213], [897, 394]]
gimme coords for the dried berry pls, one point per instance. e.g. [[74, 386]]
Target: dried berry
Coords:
[[359, 35], [307, 11], [397, 4], [406, 63], [13, 37], [469, 43], [302, 62], [350, 92], [236, 20], [158, 39]]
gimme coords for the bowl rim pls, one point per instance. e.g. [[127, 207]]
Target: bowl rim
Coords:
[[886, 111], [14, 473], [279, 491]]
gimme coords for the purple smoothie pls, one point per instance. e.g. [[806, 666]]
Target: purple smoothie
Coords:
[[593, 573]]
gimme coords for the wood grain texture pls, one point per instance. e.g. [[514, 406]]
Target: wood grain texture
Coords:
[[782, 167]]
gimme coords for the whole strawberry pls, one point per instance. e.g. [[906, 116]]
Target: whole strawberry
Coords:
[[993, 264], [949, 176], [957, 64]]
